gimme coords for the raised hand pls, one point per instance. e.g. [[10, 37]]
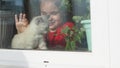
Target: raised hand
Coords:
[[21, 22]]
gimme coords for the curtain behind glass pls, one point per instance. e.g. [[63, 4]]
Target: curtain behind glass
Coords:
[[8, 8]]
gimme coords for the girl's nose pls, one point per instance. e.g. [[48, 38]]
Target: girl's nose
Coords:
[[49, 17]]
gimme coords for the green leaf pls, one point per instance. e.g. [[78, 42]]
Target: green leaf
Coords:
[[65, 30], [72, 45], [67, 45], [77, 38], [71, 33], [77, 18]]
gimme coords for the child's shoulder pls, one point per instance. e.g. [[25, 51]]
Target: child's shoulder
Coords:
[[69, 24]]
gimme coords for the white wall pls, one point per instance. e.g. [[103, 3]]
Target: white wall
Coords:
[[114, 23]]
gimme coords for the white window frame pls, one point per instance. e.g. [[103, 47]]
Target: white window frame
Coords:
[[98, 58]]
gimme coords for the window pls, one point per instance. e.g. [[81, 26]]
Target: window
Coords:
[[98, 58], [69, 28]]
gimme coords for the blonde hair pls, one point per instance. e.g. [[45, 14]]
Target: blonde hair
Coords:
[[64, 10], [56, 2]]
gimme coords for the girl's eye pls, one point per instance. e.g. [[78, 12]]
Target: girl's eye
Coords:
[[43, 13], [54, 13]]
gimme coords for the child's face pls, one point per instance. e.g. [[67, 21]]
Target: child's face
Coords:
[[49, 8]]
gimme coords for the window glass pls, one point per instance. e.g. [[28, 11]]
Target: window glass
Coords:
[[45, 25]]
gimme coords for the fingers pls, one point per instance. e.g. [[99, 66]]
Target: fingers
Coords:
[[16, 18], [21, 22], [16, 21], [20, 17], [24, 16], [25, 20]]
